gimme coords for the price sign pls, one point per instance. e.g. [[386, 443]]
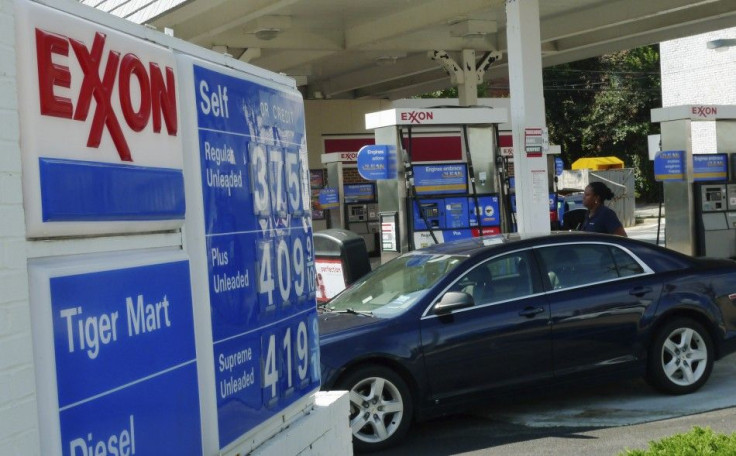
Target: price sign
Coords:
[[329, 198], [534, 141], [710, 167], [448, 178], [260, 259], [669, 165]]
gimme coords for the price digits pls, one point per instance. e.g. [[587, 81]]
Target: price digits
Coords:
[[284, 267], [276, 181], [310, 271], [293, 183], [259, 179], [292, 348]]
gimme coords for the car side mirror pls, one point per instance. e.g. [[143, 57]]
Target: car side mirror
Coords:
[[453, 300]]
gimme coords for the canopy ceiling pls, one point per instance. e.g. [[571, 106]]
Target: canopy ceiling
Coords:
[[379, 48]]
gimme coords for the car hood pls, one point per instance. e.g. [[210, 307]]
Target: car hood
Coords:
[[334, 322]]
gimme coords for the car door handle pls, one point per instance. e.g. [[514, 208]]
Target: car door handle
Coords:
[[531, 311], [640, 291]]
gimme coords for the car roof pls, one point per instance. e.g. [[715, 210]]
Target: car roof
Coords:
[[510, 241]]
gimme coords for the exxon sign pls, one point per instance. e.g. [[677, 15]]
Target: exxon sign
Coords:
[[100, 127], [154, 97]]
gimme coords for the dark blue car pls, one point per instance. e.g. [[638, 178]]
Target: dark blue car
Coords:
[[437, 329]]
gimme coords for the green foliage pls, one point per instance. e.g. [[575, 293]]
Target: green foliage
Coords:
[[453, 93], [447, 93], [698, 442], [601, 107]]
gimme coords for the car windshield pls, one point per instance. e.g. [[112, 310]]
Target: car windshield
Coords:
[[395, 286]]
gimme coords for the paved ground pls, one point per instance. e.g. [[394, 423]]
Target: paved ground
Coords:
[[648, 223], [470, 437], [599, 420]]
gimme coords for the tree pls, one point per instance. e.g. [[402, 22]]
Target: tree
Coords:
[[601, 107]]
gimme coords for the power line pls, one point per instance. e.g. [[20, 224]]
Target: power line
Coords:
[[559, 70]]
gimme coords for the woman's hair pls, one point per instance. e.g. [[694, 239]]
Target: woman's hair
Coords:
[[602, 190]]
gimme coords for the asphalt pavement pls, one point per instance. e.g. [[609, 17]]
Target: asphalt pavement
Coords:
[[648, 224], [593, 420]]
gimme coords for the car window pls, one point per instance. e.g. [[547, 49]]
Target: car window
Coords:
[[625, 264], [393, 287], [499, 279], [572, 265]]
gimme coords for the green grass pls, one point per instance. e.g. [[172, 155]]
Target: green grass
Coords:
[[698, 442]]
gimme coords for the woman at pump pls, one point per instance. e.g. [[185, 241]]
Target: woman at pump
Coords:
[[600, 218]]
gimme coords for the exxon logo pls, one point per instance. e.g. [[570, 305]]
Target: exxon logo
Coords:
[[417, 116], [704, 111], [155, 97]]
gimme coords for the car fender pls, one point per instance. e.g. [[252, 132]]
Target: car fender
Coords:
[[689, 304], [390, 346]]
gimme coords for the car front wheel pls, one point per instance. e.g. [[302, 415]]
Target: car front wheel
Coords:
[[681, 357], [380, 407]]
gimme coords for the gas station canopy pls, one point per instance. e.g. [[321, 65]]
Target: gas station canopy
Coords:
[[598, 163], [381, 48]]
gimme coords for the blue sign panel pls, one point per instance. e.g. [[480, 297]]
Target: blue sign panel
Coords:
[[355, 193], [453, 235], [138, 419], [669, 165], [456, 213], [488, 209], [125, 360], [329, 198], [259, 248], [439, 179], [559, 166], [373, 162], [73, 190], [710, 167]]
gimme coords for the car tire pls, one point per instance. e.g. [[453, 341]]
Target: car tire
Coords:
[[380, 407], [680, 357]]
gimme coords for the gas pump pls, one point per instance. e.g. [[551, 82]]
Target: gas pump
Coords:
[[361, 213], [716, 227], [437, 199], [699, 197]]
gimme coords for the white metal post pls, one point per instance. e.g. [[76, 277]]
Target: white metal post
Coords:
[[527, 115], [467, 89]]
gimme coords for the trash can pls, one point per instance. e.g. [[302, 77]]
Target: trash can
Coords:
[[340, 258]]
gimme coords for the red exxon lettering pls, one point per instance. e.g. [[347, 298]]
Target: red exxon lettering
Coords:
[[704, 111], [417, 116], [157, 95]]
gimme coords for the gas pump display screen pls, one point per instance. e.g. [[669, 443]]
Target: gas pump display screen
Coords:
[[713, 198], [430, 210]]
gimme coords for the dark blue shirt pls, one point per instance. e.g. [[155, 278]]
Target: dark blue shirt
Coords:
[[603, 221]]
